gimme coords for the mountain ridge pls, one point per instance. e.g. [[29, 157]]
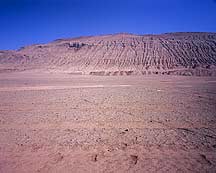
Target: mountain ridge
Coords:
[[179, 53]]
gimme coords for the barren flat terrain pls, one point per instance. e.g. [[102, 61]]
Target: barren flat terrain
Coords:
[[81, 123]]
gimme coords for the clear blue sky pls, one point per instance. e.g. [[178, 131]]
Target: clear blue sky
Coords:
[[24, 22]]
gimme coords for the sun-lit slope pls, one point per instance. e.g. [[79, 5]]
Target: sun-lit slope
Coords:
[[121, 54]]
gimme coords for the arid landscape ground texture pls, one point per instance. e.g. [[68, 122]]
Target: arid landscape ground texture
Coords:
[[66, 123], [115, 103]]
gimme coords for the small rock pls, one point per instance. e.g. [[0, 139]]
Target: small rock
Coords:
[[95, 158], [134, 159], [204, 158]]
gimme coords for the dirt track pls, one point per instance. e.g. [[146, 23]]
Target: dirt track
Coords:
[[65, 123], [58, 87]]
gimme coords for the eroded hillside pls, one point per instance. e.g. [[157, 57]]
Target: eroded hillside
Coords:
[[120, 54]]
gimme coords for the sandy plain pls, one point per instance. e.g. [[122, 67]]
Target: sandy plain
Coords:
[[73, 123]]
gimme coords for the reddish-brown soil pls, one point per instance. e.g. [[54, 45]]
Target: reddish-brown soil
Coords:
[[77, 123]]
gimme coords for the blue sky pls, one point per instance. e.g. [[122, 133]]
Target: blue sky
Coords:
[[24, 22]]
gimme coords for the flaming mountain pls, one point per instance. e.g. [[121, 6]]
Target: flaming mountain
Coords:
[[119, 54]]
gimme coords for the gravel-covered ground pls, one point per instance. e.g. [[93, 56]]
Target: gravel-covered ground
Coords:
[[65, 123]]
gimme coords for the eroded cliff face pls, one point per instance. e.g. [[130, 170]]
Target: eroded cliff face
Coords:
[[120, 54]]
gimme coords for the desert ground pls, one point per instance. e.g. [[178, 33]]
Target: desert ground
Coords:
[[65, 123]]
